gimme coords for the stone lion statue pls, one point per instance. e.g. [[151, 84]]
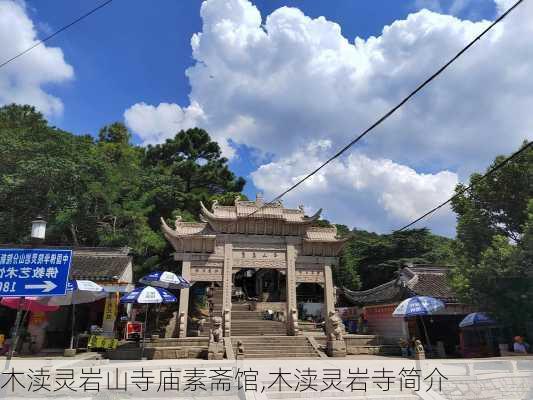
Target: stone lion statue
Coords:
[[336, 327], [216, 331]]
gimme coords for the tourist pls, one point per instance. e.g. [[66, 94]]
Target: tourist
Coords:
[[404, 347], [364, 323], [520, 346]]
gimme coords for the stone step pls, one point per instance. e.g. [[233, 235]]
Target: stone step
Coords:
[[251, 333], [276, 355], [272, 339], [240, 307], [375, 350], [256, 323], [246, 315], [279, 350]]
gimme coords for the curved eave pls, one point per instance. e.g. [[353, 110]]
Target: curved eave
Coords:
[[167, 230], [326, 240], [207, 215], [314, 217]]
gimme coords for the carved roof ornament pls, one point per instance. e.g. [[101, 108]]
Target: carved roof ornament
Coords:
[[259, 200], [253, 218], [256, 210]]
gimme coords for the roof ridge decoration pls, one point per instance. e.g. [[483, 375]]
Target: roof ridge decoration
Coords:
[[243, 208]]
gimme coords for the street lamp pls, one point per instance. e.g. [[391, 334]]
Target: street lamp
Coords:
[[38, 229]]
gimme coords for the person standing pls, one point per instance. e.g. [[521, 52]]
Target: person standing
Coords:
[[520, 346]]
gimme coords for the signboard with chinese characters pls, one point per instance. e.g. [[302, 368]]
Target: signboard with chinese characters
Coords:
[[34, 272]]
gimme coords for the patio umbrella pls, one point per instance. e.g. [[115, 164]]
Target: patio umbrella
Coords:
[[28, 304], [78, 292], [148, 295], [419, 306], [165, 279], [476, 319]]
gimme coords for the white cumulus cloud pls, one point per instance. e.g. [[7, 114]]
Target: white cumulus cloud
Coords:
[[22, 80], [376, 194], [155, 124], [281, 81]]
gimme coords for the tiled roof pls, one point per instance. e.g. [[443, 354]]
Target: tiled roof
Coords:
[[431, 283], [98, 268], [193, 228], [388, 292], [321, 234], [413, 281]]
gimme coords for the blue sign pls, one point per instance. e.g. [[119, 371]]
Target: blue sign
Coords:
[[34, 272]]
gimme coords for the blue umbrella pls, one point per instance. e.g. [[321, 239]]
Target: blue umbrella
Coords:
[[148, 295], [165, 279], [418, 306], [476, 319]]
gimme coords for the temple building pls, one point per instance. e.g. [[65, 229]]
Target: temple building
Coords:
[[274, 255]]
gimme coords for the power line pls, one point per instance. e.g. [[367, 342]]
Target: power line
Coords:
[[395, 108], [489, 172], [56, 33]]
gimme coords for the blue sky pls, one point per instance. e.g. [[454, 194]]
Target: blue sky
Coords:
[[132, 50], [137, 52]]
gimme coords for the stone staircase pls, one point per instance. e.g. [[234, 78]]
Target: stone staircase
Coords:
[[245, 322], [364, 344], [158, 349], [273, 347], [217, 312]]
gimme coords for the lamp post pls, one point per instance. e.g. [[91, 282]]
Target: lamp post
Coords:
[[38, 233], [38, 229]]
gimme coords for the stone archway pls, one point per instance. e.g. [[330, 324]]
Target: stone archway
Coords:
[[275, 238]]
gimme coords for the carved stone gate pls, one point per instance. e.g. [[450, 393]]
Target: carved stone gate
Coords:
[[252, 234]]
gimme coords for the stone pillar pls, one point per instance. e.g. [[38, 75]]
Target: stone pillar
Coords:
[[183, 311], [329, 299], [226, 288], [291, 288]]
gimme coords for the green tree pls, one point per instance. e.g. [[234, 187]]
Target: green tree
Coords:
[[107, 192], [370, 259], [190, 169], [495, 234]]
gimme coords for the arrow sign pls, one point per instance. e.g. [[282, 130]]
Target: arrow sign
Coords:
[[34, 272], [46, 287]]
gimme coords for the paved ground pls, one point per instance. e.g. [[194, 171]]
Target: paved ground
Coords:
[[57, 356]]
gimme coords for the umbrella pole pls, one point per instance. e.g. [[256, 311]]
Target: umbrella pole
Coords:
[[157, 318], [425, 331], [144, 328], [73, 326], [15, 340]]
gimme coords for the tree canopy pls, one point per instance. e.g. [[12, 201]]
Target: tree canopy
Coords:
[[104, 191], [370, 259], [495, 241]]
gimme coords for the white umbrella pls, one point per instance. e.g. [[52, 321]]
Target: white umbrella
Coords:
[[78, 292], [165, 279]]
